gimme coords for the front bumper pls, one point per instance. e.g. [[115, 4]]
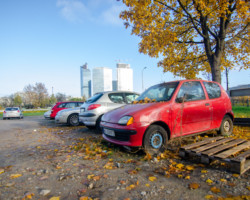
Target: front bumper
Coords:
[[61, 119], [124, 135]]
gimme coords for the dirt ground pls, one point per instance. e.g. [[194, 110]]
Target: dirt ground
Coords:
[[42, 160]]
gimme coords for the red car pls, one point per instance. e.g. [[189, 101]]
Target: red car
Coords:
[[63, 105], [170, 110]]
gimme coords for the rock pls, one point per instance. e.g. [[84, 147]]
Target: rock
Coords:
[[168, 192], [91, 185], [143, 193], [44, 192]]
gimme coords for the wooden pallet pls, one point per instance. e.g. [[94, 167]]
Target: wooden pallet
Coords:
[[223, 149]]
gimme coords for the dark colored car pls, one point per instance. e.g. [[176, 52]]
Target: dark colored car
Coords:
[[64, 105], [167, 111]]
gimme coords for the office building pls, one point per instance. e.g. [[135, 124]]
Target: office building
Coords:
[[124, 77], [102, 79], [85, 81]]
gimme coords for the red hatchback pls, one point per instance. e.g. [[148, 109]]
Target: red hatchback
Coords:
[[170, 110], [63, 105]]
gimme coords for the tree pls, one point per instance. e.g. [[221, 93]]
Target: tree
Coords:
[[192, 36], [61, 97], [52, 99], [17, 100]]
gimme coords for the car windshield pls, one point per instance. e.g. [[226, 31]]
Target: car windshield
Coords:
[[11, 109], [161, 92], [94, 98]]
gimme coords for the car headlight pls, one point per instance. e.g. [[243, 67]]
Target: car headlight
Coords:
[[126, 120]]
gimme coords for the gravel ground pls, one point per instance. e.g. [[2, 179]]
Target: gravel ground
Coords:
[[42, 160]]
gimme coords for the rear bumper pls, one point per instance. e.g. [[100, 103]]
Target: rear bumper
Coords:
[[89, 119]]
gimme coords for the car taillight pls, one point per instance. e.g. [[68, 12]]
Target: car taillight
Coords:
[[18, 111], [93, 106], [4, 111]]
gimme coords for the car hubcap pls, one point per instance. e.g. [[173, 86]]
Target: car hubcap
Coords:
[[156, 140], [74, 119], [227, 126]]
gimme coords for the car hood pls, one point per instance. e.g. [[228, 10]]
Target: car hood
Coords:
[[140, 112]]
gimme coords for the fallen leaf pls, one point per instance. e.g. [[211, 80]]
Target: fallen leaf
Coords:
[[132, 172], [54, 198], [1, 171], [215, 190], [147, 185], [130, 187], [187, 177], [203, 171], [180, 175], [236, 175], [28, 195], [209, 197], [96, 178], [12, 176], [90, 176], [190, 167], [248, 187], [194, 186], [223, 180], [180, 166], [152, 178], [209, 181]]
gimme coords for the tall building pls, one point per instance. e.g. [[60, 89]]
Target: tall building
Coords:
[[124, 77], [102, 79], [85, 81]]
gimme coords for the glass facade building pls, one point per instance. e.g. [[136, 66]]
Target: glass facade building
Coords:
[[124, 77], [85, 81], [102, 79]]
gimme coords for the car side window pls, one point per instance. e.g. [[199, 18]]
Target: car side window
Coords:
[[70, 105], [130, 97], [191, 91], [116, 98], [62, 105], [79, 104], [213, 90]]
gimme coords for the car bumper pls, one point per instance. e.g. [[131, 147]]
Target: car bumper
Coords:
[[124, 135], [61, 120], [8, 115], [89, 119]]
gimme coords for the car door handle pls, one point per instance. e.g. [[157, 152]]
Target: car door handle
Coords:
[[207, 104]]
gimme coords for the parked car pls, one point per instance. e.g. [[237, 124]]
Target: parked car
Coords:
[[93, 109], [63, 105], [68, 116], [167, 111], [47, 114], [12, 112]]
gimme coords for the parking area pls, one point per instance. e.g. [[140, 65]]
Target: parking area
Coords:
[[41, 160]]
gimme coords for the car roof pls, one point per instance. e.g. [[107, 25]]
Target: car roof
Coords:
[[112, 92]]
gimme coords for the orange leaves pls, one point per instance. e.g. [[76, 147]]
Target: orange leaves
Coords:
[[1, 171], [152, 178], [194, 186], [215, 190], [13, 176], [27, 196]]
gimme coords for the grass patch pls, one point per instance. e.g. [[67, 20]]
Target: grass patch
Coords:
[[241, 112]]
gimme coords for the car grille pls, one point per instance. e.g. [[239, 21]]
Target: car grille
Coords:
[[119, 136]]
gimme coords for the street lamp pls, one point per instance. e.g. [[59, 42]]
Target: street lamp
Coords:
[[142, 78]]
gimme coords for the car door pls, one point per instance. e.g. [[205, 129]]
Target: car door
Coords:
[[193, 113]]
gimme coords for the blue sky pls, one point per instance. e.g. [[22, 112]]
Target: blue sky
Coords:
[[48, 40]]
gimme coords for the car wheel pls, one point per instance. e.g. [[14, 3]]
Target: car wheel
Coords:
[[155, 140], [226, 128], [98, 122], [73, 120]]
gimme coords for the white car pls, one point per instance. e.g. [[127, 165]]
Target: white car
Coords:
[[68, 116], [47, 114], [12, 112]]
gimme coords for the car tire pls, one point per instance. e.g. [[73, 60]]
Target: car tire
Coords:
[[98, 122], [226, 127], [155, 140], [73, 120]]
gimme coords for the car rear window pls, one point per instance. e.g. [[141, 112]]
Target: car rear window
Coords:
[[116, 98], [94, 98], [11, 109], [213, 90]]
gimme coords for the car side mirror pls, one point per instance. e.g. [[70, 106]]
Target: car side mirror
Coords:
[[179, 100]]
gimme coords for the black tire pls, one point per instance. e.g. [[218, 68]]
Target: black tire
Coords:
[[226, 127], [73, 120], [98, 122], [155, 140]]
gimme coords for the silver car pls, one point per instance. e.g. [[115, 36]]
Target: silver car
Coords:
[[47, 114], [68, 116], [93, 109], [12, 112]]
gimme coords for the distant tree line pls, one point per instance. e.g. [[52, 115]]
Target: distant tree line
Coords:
[[35, 96]]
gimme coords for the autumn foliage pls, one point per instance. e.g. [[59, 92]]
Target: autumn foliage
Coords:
[[192, 36]]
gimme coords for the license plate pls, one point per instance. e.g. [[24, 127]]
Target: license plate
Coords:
[[109, 132]]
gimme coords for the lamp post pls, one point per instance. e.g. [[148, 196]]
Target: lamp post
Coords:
[[142, 78]]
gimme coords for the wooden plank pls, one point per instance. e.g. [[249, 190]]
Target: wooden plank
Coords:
[[242, 156], [215, 150], [234, 150], [214, 144], [197, 144]]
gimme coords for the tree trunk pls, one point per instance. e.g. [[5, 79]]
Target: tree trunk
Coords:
[[215, 68]]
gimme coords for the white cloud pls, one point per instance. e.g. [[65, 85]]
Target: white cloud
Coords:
[[73, 10], [111, 16], [98, 11]]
